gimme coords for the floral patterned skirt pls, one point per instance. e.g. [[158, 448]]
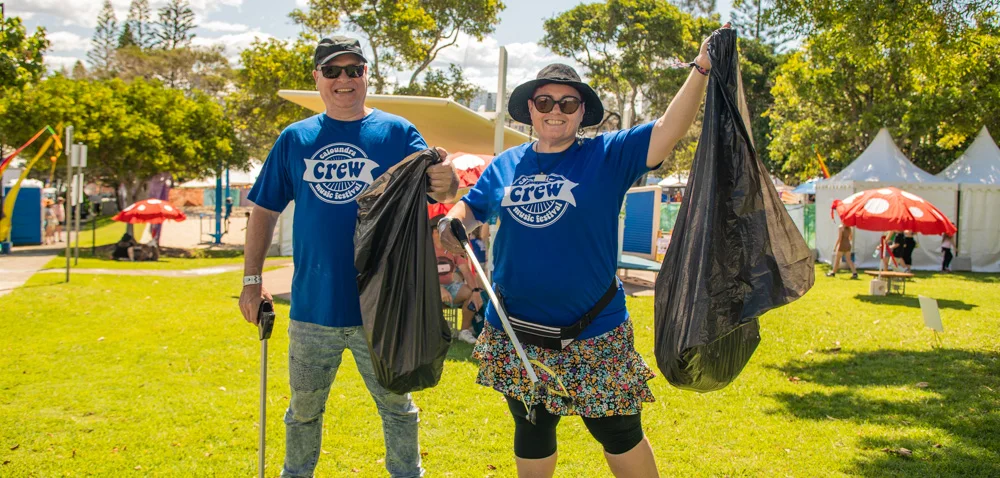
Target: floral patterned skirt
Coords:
[[596, 377]]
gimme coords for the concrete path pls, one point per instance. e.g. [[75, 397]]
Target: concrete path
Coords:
[[23, 262], [201, 271]]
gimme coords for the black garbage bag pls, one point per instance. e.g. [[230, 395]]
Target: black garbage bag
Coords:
[[407, 334], [734, 253]]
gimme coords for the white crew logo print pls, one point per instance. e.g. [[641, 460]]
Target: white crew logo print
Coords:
[[337, 173], [539, 200]]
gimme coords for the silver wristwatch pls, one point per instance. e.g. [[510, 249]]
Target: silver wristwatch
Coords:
[[251, 280]]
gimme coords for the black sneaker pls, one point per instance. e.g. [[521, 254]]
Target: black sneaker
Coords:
[[830, 274], [854, 275]]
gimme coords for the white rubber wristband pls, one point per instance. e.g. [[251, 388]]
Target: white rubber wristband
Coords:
[[251, 280]]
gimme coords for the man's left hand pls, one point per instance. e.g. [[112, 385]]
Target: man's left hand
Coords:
[[443, 180]]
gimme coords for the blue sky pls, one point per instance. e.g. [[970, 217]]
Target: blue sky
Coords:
[[235, 23]]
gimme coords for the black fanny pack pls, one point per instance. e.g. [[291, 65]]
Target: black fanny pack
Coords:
[[558, 338]]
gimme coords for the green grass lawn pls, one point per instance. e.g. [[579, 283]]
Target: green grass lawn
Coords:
[[152, 376], [165, 263]]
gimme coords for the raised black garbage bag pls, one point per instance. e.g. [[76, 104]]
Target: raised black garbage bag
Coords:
[[734, 253], [408, 337]]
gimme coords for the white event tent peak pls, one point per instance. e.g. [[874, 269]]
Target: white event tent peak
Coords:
[[978, 173], [882, 161], [979, 164]]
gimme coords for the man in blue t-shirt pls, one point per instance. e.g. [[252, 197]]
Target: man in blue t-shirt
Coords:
[[323, 163]]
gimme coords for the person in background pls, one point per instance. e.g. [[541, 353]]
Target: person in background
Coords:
[[947, 243], [842, 250], [50, 223], [459, 285], [897, 248], [909, 244], [60, 210]]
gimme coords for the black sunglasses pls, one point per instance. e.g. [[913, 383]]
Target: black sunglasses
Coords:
[[568, 104], [353, 71]]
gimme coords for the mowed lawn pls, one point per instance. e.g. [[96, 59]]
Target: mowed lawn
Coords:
[[154, 376]]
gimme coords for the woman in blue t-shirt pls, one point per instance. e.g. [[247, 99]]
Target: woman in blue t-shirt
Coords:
[[555, 260]]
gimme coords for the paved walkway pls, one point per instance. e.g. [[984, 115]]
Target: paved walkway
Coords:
[[194, 232], [23, 262], [201, 271]]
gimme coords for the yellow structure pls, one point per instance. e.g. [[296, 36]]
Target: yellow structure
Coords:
[[442, 122]]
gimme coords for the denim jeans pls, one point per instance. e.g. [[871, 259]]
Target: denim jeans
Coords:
[[314, 355]]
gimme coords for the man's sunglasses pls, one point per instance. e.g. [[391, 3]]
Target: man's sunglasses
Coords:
[[568, 104], [353, 71]]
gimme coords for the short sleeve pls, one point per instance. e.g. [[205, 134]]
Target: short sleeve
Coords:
[[414, 141], [626, 150], [482, 199], [273, 189]]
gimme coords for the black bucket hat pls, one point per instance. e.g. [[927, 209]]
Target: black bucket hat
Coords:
[[517, 105], [330, 48]]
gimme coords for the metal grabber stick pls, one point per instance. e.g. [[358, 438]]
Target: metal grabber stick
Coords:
[[265, 322], [459, 230]]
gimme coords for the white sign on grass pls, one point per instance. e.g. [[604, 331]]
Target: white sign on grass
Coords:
[[932, 316]]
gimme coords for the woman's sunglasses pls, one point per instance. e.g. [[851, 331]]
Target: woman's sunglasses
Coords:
[[332, 72], [568, 104]]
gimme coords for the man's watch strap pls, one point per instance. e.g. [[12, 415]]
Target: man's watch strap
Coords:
[[252, 280]]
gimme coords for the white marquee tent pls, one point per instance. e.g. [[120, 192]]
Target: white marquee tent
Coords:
[[882, 164], [978, 173]]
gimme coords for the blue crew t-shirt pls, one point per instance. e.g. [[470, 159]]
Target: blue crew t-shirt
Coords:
[[555, 253], [323, 165]]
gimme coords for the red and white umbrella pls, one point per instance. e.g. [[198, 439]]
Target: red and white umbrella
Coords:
[[150, 211], [890, 209], [468, 168]]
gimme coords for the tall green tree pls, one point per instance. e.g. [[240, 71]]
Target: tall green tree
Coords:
[[174, 29], [697, 8], [759, 64], [402, 34], [188, 68], [476, 18], [79, 71], [257, 111], [443, 84], [141, 24], [104, 42], [133, 130], [756, 19], [21, 61], [929, 74], [126, 38], [624, 45]]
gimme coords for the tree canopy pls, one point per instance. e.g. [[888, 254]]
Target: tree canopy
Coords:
[[928, 71], [134, 130]]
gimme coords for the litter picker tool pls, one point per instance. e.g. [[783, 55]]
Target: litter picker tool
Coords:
[[459, 230], [265, 322]]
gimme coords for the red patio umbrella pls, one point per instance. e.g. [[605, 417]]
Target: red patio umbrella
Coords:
[[150, 211], [468, 167], [890, 209]]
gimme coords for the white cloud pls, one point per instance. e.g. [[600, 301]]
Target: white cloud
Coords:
[[302, 3], [84, 12], [216, 26], [67, 41], [56, 63]]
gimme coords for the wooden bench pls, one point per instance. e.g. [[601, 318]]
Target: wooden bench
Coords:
[[895, 281]]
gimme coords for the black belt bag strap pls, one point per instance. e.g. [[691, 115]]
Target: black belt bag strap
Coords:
[[558, 338]]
